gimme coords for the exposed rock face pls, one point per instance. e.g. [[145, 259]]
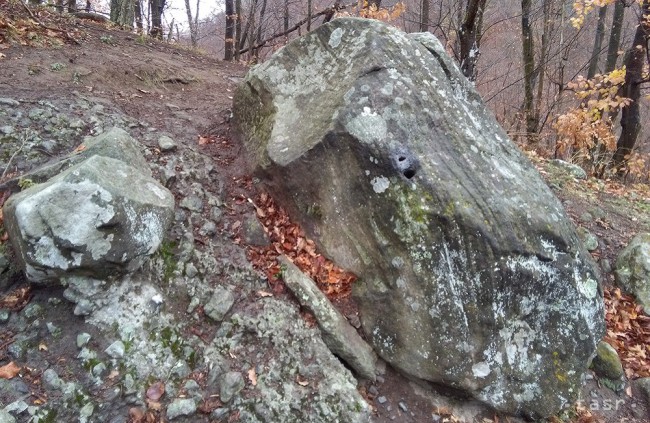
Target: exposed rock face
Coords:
[[470, 273], [100, 218], [633, 269]]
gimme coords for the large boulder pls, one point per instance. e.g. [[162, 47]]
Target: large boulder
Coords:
[[471, 275], [632, 270], [100, 218]]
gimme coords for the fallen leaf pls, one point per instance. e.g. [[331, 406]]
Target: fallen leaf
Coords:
[[79, 149], [252, 376], [42, 346], [9, 371], [113, 374], [156, 391], [264, 294], [154, 405], [302, 382]]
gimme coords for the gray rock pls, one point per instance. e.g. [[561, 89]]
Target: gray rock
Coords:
[[83, 339], [606, 363], [5, 417], [193, 203], [436, 211], [7, 129], [86, 411], [4, 263], [216, 214], [643, 384], [209, 228], [219, 304], [570, 168], [231, 384], [99, 369], [51, 380], [381, 400], [632, 269], [253, 232], [88, 294], [167, 144], [341, 338], [115, 350], [586, 217], [181, 407], [33, 311], [100, 218], [605, 265], [589, 240], [4, 315], [9, 101], [191, 270]]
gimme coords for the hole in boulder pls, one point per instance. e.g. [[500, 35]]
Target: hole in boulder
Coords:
[[401, 158], [409, 173]]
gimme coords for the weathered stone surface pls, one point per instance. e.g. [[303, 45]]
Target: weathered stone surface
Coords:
[[471, 275], [606, 363], [99, 219], [339, 336], [572, 169], [632, 269], [219, 304], [231, 384], [115, 143]]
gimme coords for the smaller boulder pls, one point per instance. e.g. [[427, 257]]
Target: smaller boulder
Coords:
[[219, 304], [98, 219], [606, 364], [230, 385], [339, 336], [570, 168], [632, 270]]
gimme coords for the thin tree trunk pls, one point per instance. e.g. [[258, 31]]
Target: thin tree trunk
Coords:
[[249, 25], [598, 43], [157, 7], [230, 30], [424, 15], [540, 72], [309, 11], [615, 36], [237, 27], [190, 22], [529, 67], [259, 25], [635, 58], [286, 15], [469, 37], [170, 33], [138, 15], [72, 6]]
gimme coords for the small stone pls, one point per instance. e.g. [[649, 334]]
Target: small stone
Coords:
[[380, 379], [5, 417], [373, 390], [33, 311], [115, 350], [605, 265], [192, 203], [572, 169], [194, 303], [220, 303], [402, 406], [218, 414], [191, 387], [76, 124], [230, 385], [589, 240], [253, 232], [7, 129], [166, 144], [86, 411], [9, 101], [86, 354], [17, 407], [54, 330], [181, 407], [99, 369], [606, 363], [4, 315], [129, 384], [191, 270], [216, 214], [381, 400], [82, 339], [644, 387], [209, 228], [51, 380]]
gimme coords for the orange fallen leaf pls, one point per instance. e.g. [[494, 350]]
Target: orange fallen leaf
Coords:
[[79, 149], [9, 371], [42, 346]]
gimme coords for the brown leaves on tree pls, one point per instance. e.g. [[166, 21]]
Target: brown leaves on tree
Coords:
[[289, 239], [628, 331]]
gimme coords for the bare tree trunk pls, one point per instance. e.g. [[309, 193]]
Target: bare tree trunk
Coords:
[[138, 15], [72, 6], [615, 36], [123, 12], [170, 33], [469, 37], [249, 25], [157, 7], [424, 15], [309, 11], [237, 27], [190, 22], [598, 43], [529, 67], [259, 25], [286, 15], [230, 30], [635, 59], [540, 71]]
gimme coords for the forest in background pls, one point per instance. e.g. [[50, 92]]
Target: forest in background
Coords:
[[566, 79]]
